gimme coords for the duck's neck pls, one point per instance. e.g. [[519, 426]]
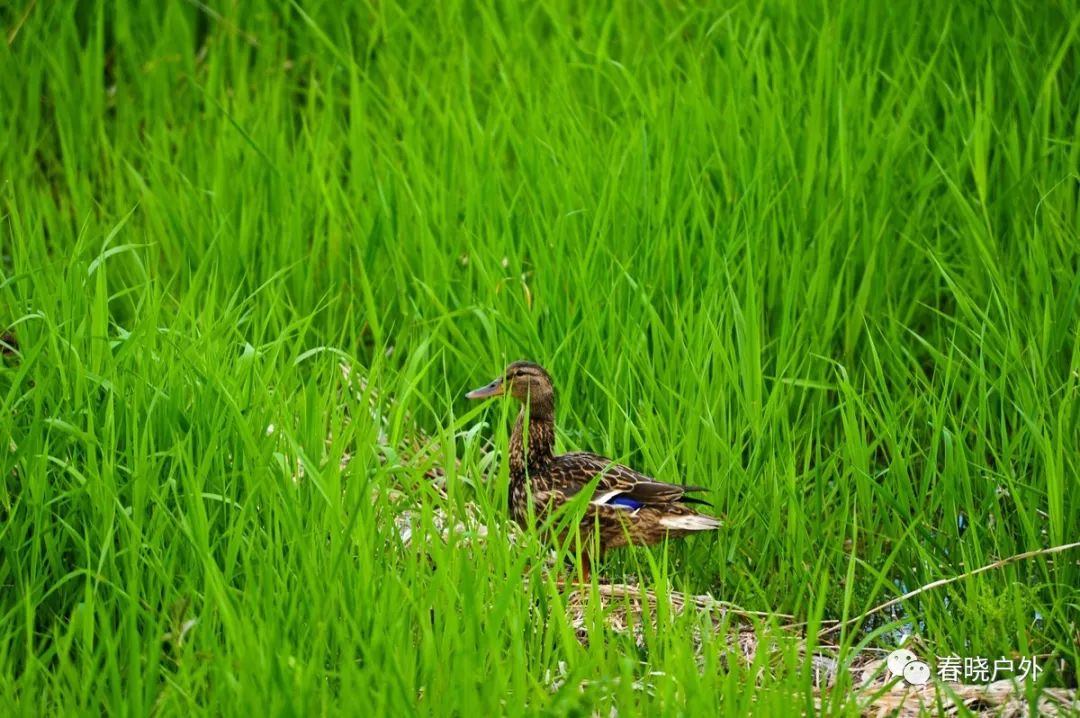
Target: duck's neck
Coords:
[[532, 445]]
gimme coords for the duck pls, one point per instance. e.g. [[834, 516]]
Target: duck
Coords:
[[626, 507]]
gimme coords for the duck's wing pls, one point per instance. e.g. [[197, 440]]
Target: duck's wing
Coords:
[[619, 486]]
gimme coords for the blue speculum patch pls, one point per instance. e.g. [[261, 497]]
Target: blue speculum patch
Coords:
[[625, 501]]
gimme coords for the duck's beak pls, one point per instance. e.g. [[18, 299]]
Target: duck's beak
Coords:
[[495, 388]]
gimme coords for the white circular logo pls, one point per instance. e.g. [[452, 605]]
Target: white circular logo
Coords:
[[898, 659], [917, 673], [904, 664]]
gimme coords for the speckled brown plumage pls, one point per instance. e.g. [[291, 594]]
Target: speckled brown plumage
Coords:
[[626, 507]]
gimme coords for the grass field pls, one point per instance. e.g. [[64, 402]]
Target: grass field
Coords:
[[822, 258]]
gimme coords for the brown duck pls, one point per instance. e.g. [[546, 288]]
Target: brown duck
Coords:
[[626, 507]]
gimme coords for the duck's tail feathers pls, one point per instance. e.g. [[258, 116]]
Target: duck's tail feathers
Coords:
[[690, 522]]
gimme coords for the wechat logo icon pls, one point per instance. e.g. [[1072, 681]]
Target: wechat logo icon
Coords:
[[904, 664]]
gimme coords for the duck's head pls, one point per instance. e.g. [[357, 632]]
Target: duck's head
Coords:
[[527, 382]]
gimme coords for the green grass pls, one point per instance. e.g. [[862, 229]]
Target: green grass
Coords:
[[821, 258]]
